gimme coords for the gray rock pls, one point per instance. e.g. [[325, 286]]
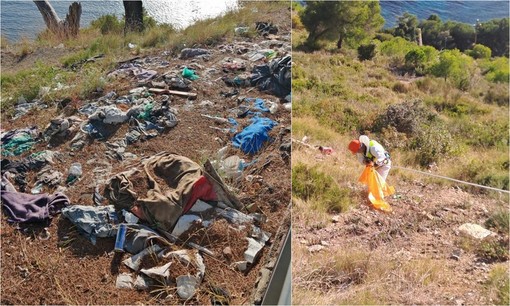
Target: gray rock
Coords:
[[475, 230]]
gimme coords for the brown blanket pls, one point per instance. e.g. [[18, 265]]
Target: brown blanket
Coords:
[[169, 178]]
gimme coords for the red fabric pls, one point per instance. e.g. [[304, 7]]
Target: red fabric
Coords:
[[203, 190]]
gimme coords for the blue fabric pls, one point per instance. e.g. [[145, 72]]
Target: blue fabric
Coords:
[[251, 139], [234, 123], [259, 104]]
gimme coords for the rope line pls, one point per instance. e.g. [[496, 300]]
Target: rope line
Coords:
[[425, 173], [452, 179]]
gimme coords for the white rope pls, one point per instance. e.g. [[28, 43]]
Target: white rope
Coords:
[[451, 179]]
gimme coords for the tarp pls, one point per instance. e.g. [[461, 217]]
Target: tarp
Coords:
[[377, 188], [251, 139], [274, 77]]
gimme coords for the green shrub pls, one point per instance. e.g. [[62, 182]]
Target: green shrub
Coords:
[[401, 87], [454, 66], [296, 22], [420, 59], [498, 284], [497, 94], [493, 249], [496, 70], [480, 51], [433, 143], [366, 52], [313, 185], [108, 24], [396, 49], [383, 37], [406, 117], [499, 221]]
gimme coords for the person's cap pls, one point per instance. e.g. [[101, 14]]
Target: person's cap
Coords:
[[354, 146]]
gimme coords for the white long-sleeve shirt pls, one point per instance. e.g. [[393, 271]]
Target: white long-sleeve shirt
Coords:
[[377, 153]]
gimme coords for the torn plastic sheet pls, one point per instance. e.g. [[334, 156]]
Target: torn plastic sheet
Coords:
[[134, 261]]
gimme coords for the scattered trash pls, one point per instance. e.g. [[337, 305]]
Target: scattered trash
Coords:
[[326, 150], [93, 221], [254, 247], [134, 261], [274, 77], [75, 173], [186, 286], [17, 141], [251, 139], [187, 53], [124, 281], [241, 30], [266, 28], [23, 207], [189, 74]]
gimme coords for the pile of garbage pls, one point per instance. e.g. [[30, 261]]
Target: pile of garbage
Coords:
[[158, 208]]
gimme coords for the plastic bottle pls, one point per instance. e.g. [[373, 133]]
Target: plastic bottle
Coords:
[[121, 238], [75, 173]]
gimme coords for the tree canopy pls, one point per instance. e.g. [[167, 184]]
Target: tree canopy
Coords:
[[406, 26], [349, 21]]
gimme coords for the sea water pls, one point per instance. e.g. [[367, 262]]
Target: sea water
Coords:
[[23, 19]]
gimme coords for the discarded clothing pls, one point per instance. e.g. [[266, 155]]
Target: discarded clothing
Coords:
[[192, 52], [179, 83], [109, 115], [138, 237], [117, 150], [49, 176], [266, 28], [93, 221], [274, 77], [377, 188], [252, 138], [33, 162], [98, 130], [17, 141], [162, 205], [22, 207], [189, 74], [23, 108]]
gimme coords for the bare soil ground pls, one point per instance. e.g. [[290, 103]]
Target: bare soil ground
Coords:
[[67, 269], [414, 255]]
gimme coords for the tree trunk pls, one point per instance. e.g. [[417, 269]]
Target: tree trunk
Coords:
[[339, 42], [69, 27], [134, 16]]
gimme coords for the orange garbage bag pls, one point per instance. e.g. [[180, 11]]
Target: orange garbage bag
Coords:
[[377, 188]]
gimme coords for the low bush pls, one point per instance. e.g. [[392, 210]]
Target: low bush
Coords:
[[313, 185], [366, 52], [108, 24], [406, 117], [480, 51], [499, 221], [498, 285], [497, 94], [433, 143]]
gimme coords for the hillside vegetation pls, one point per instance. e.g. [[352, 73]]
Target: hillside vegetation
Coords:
[[440, 111]]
